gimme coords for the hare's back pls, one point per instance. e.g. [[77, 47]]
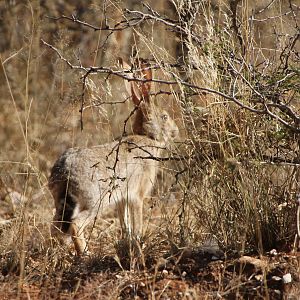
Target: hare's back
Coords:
[[79, 163], [91, 170]]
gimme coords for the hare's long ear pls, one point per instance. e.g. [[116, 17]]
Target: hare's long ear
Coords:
[[131, 87], [146, 73], [136, 93], [141, 90], [125, 65]]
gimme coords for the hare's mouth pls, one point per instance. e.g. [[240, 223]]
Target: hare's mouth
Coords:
[[174, 134]]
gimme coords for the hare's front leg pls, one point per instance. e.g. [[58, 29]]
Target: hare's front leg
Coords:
[[131, 218]]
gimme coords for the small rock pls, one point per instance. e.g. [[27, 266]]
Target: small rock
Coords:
[[165, 273], [281, 206], [277, 292], [258, 277], [183, 274], [211, 246], [276, 278], [287, 278], [273, 252], [161, 263]]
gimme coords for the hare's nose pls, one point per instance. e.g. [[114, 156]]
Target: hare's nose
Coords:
[[174, 133]]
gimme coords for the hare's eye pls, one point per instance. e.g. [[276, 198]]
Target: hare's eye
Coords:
[[164, 117]]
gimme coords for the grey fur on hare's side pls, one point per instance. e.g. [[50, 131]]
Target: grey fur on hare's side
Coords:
[[85, 182]]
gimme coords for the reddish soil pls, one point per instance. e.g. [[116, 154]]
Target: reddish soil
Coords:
[[187, 275]]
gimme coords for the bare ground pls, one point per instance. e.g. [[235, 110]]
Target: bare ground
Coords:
[[189, 274]]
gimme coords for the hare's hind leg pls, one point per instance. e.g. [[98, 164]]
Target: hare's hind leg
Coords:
[[58, 233], [69, 223], [74, 233], [78, 239], [62, 220], [77, 227]]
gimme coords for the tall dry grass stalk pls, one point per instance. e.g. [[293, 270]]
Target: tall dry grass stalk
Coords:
[[235, 172]]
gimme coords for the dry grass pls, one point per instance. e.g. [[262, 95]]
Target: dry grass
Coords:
[[237, 183]]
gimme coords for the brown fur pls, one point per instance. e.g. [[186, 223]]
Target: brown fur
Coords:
[[86, 182]]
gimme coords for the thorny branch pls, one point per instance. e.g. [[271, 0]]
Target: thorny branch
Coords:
[[266, 107], [259, 104], [123, 73], [117, 27]]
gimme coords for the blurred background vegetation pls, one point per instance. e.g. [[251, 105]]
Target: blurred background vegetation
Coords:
[[236, 101]]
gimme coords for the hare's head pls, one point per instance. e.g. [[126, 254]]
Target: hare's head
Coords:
[[150, 119], [156, 123]]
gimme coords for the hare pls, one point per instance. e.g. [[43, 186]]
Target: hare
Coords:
[[85, 182]]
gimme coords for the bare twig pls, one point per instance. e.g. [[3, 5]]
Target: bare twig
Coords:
[[117, 27], [270, 18], [154, 16], [126, 74]]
